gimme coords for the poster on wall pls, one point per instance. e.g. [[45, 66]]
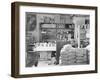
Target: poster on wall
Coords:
[[52, 39]]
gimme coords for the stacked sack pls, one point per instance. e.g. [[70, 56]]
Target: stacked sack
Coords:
[[67, 55], [82, 56], [73, 56]]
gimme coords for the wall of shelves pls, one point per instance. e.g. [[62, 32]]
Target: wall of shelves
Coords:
[[56, 31]]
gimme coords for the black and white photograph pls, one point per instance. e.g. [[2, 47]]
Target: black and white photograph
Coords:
[[57, 39], [51, 39]]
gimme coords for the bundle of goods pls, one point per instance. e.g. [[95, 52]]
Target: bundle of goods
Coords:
[[73, 56], [82, 56]]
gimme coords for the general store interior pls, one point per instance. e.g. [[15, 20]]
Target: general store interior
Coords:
[[46, 34]]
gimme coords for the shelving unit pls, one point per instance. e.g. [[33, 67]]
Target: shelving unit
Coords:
[[59, 31]]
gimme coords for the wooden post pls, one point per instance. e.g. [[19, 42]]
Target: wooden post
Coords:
[[78, 36]]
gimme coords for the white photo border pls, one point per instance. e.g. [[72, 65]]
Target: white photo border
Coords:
[[55, 69]]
